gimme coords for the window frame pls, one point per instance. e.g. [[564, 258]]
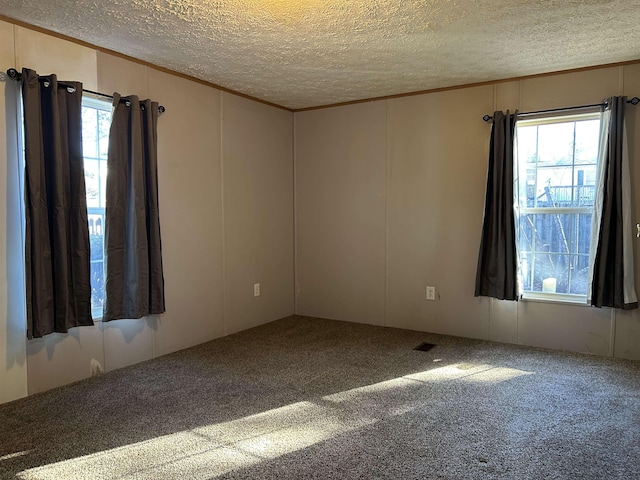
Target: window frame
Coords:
[[550, 118]]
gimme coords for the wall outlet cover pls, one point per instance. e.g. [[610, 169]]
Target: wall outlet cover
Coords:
[[431, 293]]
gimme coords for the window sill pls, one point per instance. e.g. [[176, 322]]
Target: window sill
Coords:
[[556, 298]]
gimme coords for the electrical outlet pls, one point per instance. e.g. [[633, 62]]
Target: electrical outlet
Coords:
[[431, 293], [256, 289]]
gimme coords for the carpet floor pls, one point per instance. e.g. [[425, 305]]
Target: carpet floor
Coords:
[[312, 398]]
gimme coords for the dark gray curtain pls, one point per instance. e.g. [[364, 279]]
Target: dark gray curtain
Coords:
[[497, 269], [57, 260], [134, 283], [612, 283]]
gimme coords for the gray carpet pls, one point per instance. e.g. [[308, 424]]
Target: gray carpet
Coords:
[[311, 398]]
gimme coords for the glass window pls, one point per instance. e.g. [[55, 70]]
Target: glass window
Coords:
[[557, 161], [96, 121]]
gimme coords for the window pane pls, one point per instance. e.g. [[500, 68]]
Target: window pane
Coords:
[[104, 122], [547, 232], [96, 239], [89, 129], [555, 187], [96, 236], [555, 144], [527, 144], [555, 273], [583, 233], [526, 233], [97, 287], [103, 183], [526, 141], [92, 182], [587, 139], [551, 273], [554, 252], [579, 275], [96, 124], [557, 168], [585, 182]]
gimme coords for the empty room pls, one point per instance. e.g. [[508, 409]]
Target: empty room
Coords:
[[287, 239]]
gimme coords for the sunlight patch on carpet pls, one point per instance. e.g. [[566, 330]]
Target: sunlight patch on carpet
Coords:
[[212, 450], [14, 455], [466, 372]]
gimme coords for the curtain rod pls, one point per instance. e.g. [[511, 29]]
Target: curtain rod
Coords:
[[15, 75], [633, 101]]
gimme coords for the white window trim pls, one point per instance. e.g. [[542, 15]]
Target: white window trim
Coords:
[[546, 119], [559, 298]]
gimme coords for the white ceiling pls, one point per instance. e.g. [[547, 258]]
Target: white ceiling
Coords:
[[304, 53]]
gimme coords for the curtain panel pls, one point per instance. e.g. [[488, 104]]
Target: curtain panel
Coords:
[[57, 260], [134, 282], [496, 274], [611, 262]]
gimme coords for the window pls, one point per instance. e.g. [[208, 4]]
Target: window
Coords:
[[555, 189], [96, 120]]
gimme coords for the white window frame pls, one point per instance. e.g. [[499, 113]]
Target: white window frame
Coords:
[[537, 120]]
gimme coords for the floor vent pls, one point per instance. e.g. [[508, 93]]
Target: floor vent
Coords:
[[424, 347]]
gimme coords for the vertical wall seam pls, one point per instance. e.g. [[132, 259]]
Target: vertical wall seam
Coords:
[[223, 221], [612, 334], [146, 82], [387, 172], [154, 324], [495, 97], [520, 94], [490, 319], [15, 45], [621, 80], [295, 213]]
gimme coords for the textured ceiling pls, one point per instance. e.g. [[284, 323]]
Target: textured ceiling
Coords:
[[307, 53]]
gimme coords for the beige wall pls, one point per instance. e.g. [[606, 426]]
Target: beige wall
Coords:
[[627, 332], [226, 211], [258, 212], [389, 199], [340, 212]]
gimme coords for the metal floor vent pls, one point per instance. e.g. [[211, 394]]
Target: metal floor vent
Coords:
[[424, 347]]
